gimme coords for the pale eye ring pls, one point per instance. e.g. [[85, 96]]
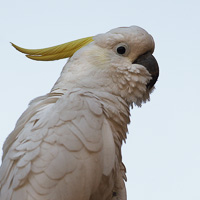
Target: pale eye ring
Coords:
[[122, 49]]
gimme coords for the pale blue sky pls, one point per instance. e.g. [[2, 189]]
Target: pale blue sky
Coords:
[[162, 154]]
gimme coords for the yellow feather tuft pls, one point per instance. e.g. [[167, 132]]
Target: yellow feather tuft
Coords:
[[56, 52]]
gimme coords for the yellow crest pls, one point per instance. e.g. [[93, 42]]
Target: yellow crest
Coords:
[[61, 51]]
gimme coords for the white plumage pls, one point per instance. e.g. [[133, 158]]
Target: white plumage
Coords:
[[67, 144]]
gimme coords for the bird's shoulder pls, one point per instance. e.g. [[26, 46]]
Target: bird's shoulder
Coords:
[[63, 129]]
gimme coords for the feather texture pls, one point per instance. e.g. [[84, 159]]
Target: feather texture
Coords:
[[55, 53], [80, 144], [67, 144]]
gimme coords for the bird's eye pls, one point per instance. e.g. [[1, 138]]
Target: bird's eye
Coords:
[[122, 49]]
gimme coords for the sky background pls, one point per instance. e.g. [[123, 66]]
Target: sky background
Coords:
[[162, 153]]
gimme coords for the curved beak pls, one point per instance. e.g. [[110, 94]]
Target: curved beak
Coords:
[[150, 63]]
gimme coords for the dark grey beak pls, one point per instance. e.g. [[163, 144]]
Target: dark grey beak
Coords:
[[150, 63]]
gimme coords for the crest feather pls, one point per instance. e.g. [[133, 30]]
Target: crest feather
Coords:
[[61, 51]]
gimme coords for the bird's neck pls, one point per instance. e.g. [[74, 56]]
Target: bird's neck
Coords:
[[129, 83]]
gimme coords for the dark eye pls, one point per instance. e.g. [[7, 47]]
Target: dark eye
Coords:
[[121, 50]]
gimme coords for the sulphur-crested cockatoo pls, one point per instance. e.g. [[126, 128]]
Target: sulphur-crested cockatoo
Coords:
[[67, 144]]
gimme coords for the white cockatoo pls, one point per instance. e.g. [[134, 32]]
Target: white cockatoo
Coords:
[[67, 144]]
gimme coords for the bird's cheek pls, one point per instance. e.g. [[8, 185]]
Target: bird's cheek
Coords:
[[150, 63]]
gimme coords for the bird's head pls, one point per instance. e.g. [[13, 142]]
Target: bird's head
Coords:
[[119, 61]]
